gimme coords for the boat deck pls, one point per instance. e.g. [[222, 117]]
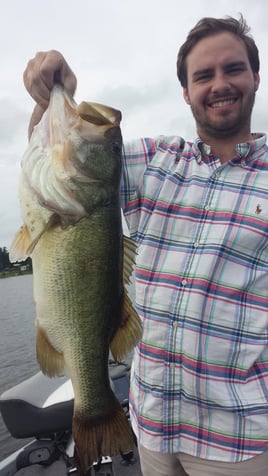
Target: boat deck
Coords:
[[50, 453], [109, 467]]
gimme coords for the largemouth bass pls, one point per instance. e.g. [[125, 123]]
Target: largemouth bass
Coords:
[[69, 198]]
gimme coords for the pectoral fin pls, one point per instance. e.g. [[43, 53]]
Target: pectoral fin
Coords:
[[19, 245], [130, 251], [50, 361], [23, 243], [130, 329]]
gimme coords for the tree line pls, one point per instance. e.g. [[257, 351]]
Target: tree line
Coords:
[[6, 265]]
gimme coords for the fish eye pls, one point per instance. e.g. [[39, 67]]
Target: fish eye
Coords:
[[116, 148]]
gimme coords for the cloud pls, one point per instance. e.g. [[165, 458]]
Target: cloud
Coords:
[[123, 54], [12, 123], [10, 218]]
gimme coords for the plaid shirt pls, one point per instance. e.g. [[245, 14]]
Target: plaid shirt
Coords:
[[199, 380]]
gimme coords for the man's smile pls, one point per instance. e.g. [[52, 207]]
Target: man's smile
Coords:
[[222, 102]]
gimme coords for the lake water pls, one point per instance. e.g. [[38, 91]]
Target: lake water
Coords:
[[17, 343]]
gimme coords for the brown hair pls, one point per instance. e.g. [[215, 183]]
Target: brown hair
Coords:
[[210, 26]]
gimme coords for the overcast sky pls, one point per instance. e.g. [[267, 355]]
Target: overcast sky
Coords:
[[123, 53]]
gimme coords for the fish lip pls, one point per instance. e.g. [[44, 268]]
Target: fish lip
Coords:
[[228, 99]]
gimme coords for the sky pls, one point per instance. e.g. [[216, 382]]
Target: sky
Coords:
[[123, 53]]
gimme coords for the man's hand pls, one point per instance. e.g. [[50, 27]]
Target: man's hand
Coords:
[[41, 73]]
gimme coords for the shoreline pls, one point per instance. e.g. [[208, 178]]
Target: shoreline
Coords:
[[10, 274]]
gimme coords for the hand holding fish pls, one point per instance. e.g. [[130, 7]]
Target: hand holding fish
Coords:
[[43, 71], [40, 75]]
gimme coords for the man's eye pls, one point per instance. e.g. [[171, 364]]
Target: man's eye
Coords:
[[236, 70], [203, 77]]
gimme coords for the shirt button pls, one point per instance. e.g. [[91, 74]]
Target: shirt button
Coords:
[[207, 208], [184, 282], [172, 365], [196, 244]]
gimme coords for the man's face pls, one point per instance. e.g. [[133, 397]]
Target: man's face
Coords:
[[220, 86]]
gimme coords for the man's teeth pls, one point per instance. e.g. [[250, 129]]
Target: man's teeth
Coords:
[[222, 103]]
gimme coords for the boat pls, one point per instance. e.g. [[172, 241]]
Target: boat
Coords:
[[41, 408]]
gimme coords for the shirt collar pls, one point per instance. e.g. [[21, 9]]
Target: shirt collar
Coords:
[[246, 151]]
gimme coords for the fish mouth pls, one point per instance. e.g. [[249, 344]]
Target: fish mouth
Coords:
[[223, 102], [98, 114]]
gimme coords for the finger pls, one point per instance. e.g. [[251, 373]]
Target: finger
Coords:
[[66, 77], [54, 68], [34, 81], [43, 71]]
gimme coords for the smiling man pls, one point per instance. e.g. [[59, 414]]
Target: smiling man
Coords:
[[220, 87], [198, 212]]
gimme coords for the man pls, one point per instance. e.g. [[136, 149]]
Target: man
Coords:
[[199, 214]]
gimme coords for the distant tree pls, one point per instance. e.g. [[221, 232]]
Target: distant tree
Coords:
[[28, 262], [4, 258], [6, 264]]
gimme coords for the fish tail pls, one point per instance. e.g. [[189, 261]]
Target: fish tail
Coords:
[[50, 361], [100, 436]]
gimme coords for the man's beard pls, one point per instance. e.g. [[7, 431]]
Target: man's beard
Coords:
[[226, 127]]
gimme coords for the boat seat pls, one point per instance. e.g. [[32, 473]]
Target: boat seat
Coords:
[[39, 406], [42, 406]]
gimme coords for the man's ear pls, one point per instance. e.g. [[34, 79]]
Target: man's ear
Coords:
[[186, 96], [257, 81]]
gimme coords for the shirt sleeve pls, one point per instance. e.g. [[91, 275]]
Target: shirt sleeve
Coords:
[[136, 157]]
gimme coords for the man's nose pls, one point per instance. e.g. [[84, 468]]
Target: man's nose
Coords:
[[220, 83]]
